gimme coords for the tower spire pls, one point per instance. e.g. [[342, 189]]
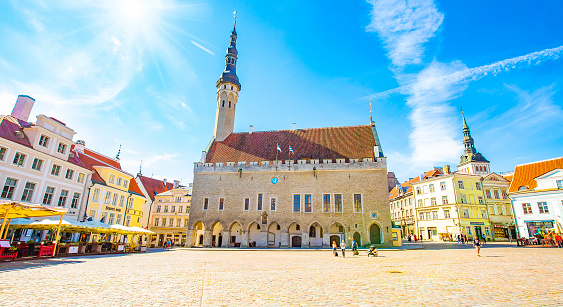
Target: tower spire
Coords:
[[235, 26], [118, 152], [228, 87], [140, 167], [471, 161]]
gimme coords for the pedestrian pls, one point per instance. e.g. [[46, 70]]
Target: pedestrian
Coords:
[[172, 244], [458, 239], [354, 247], [484, 239], [477, 245], [558, 240], [343, 248], [415, 238], [334, 249], [462, 239], [409, 238]]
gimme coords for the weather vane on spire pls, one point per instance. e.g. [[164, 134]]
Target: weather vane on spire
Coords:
[[370, 107], [235, 13]]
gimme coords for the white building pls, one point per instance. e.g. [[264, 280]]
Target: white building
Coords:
[[537, 196], [36, 162]]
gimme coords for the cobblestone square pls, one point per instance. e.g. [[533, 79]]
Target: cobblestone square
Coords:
[[438, 275]]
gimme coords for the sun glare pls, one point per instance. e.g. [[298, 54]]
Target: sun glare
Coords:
[[136, 17]]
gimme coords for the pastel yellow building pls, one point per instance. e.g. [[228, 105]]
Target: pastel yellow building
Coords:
[[114, 196]]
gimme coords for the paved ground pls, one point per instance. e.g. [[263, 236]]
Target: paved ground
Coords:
[[440, 274]]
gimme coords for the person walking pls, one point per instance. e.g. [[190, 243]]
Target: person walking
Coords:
[[477, 245], [334, 249], [354, 247], [343, 248]]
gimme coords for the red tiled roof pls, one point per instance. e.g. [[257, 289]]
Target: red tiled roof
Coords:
[[155, 186], [10, 125], [353, 142], [90, 159], [524, 174], [134, 188], [101, 158]]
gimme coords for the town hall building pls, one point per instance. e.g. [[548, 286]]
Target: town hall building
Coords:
[[287, 188]]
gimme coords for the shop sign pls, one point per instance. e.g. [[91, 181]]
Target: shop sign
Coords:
[[113, 209], [73, 249], [547, 224], [477, 223]]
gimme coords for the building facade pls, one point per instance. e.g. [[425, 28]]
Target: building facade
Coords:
[[36, 162], [536, 191], [170, 216], [402, 203], [287, 188], [150, 187], [114, 197], [499, 206]]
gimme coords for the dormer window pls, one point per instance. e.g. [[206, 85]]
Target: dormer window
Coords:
[[62, 148], [44, 140], [522, 188]]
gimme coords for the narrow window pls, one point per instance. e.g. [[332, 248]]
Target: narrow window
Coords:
[[165, 209], [444, 200], [273, 204], [37, 163], [433, 201], [62, 148], [460, 184], [221, 203], [326, 203], [108, 198], [44, 140], [118, 182], [496, 194], [122, 201], [358, 203], [223, 103], [246, 204], [111, 218], [431, 188], [259, 202], [96, 195], [48, 197], [19, 158], [28, 191], [114, 201], [69, 174], [447, 214], [111, 178], [205, 203], [80, 178], [173, 209], [2, 153], [337, 202], [229, 104], [442, 186], [296, 203], [543, 207], [308, 206], [128, 221], [62, 198], [180, 209], [55, 170], [118, 219]]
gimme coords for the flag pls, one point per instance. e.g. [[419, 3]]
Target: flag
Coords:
[[279, 149], [291, 149]]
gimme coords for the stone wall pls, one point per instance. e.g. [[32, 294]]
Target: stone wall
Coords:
[[236, 181]]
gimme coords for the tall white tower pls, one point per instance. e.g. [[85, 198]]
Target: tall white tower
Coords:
[[228, 87]]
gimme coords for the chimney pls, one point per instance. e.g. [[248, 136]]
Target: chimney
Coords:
[[79, 146], [164, 181], [294, 126], [23, 107], [176, 184], [446, 169], [250, 129]]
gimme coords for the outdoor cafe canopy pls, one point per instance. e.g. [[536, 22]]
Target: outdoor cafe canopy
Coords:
[[12, 209]]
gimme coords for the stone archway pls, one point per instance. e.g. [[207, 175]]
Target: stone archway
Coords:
[[274, 235], [295, 234], [358, 238], [337, 233], [217, 234], [198, 233], [315, 235], [254, 230], [236, 235], [375, 236]]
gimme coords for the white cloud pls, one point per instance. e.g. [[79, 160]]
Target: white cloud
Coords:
[[405, 26], [434, 135]]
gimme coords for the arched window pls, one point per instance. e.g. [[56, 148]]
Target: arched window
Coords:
[[229, 104], [223, 103], [312, 232]]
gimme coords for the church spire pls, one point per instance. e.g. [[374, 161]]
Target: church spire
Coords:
[[471, 161], [228, 87]]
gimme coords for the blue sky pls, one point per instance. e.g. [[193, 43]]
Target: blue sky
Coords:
[[142, 74]]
